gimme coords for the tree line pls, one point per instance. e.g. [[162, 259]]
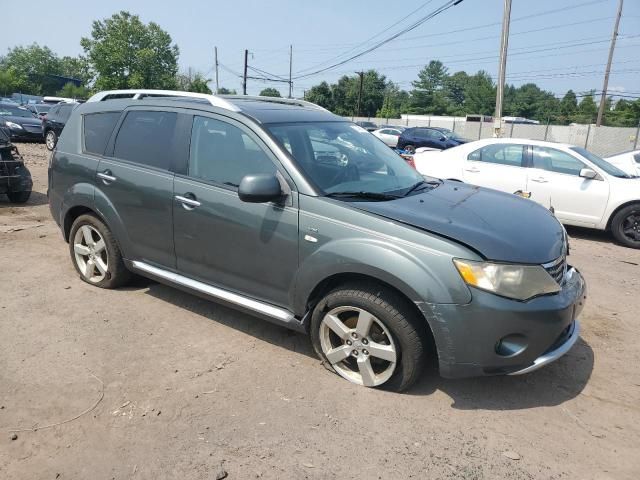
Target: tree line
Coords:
[[123, 52]]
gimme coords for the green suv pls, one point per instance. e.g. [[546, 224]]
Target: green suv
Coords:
[[280, 208]]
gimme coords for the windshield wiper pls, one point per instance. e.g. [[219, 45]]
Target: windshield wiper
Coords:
[[421, 184], [363, 195]]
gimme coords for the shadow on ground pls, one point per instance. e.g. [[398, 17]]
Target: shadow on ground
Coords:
[[552, 385], [35, 199], [590, 234]]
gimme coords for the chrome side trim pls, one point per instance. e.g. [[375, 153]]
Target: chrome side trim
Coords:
[[553, 355], [215, 292]]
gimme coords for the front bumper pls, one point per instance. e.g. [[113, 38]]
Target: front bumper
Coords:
[[27, 134], [493, 335]]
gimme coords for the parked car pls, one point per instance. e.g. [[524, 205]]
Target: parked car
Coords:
[[368, 126], [22, 124], [226, 197], [15, 178], [628, 162], [388, 136], [40, 110], [54, 122], [433, 137], [580, 187]]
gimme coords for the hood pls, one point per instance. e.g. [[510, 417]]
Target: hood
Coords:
[[499, 226], [21, 120]]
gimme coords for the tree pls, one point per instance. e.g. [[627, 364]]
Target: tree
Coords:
[[321, 95], [226, 91], [70, 90], [126, 53], [270, 92], [192, 83], [11, 81], [587, 109], [77, 67], [480, 94], [395, 102], [32, 65], [428, 94], [568, 106]]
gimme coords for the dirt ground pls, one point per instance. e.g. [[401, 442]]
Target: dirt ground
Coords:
[[174, 386]]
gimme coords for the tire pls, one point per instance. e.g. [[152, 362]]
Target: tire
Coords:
[[50, 140], [625, 226], [394, 332], [410, 149], [19, 197], [95, 253]]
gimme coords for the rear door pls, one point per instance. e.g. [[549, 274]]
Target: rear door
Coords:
[[554, 181], [249, 248], [136, 183], [499, 165]]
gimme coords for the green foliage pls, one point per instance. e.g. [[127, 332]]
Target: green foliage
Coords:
[[587, 109], [193, 83], [31, 66], [11, 81], [321, 95], [126, 53], [226, 91], [270, 92], [71, 91]]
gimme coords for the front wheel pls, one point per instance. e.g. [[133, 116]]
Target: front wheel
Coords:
[[410, 149], [19, 197], [50, 139], [625, 226], [369, 336]]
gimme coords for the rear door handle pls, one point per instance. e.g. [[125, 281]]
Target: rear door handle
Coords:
[[188, 203], [540, 180], [106, 177]]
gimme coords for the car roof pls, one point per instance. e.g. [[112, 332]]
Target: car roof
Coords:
[[528, 141], [261, 109]]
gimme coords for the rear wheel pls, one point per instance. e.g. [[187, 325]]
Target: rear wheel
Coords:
[[410, 149], [95, 253], [625, 226], [19, 197], [369, 336], [50, 139]]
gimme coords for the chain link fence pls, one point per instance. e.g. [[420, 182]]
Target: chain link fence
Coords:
[[602, 141]]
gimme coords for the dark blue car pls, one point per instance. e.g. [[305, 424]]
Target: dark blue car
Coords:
[[433, 137]]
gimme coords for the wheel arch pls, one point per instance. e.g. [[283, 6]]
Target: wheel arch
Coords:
[[617, 209]]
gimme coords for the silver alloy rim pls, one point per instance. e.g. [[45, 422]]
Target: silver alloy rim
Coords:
[[90, 253], [50, 140], [358, 346]]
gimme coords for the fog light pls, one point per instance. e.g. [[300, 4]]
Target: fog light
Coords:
[[511, 345]]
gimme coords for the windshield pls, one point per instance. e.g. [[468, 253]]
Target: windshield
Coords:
[[42, 108], [14, 111], [343, 157], [601, 163]]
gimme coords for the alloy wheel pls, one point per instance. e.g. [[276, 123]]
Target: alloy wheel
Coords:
[[358, 346], [90, 253], [50, 140], [631, 227]]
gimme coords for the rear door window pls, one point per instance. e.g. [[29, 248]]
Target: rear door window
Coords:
[[499, 153], [147, 138], [97, 130]]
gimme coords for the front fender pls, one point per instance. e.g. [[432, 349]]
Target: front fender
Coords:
[[381, 260]]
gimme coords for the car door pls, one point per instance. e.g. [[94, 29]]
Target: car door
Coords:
[[498, 165], [135, 181], [554, 181], [249, 248], [389, 136]]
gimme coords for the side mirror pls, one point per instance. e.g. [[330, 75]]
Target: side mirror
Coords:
[[259, 188], [443, 138], [588, 174]]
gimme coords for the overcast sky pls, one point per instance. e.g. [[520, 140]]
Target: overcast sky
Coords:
[[560, 50]]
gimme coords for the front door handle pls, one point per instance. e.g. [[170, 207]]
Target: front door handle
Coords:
[[188, 203], [106, 177], [472, 170], [540, 180]]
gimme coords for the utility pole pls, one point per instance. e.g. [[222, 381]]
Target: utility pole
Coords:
[[215, 50], [502, 67], [361, 74], [244, 79], [290, 69], [603, 97]]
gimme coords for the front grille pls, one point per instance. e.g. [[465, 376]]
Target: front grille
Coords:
[[557, 268]]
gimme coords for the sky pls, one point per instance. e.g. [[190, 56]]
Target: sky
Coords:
[[557, 44]]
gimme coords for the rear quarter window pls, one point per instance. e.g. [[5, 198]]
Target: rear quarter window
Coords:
[[97, 129]]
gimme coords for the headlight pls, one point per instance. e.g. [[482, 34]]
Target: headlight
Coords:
[[13, 125], [520, 282]]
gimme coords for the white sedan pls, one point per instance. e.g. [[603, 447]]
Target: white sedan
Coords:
[[628, 162], [581, 188], [388, 135]]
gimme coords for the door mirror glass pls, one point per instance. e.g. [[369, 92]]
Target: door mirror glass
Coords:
[[260, 188], [588, 173]]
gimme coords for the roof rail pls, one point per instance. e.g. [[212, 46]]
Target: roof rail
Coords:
[[286, 101], [138, 93]]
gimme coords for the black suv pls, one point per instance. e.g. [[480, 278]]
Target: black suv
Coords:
[[279, 207], [433, 137], [15, 178], [54, 122]]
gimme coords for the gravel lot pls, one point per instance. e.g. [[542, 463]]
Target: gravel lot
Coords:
[[178, 387]]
